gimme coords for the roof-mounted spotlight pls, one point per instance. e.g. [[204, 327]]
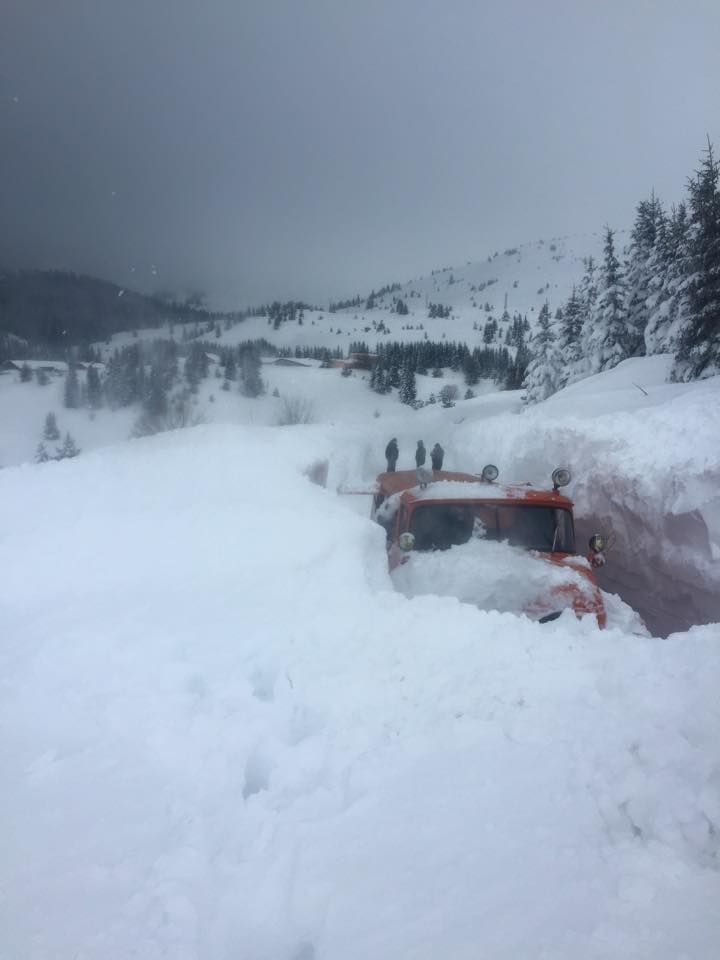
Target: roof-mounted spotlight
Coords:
[[561, 477], [489, 472]]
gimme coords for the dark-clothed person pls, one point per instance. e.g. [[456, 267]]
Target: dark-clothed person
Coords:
[[420, 454], [391, 455], [436, 457]]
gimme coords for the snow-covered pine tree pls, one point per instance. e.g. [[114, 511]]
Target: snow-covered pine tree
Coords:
[[72, 389], [698, 352], [231, 367], [668, 304], [639, 271], [568, 339], [608, 342], [543, 371], [51, 431], [250, 364], [69, 448], [155, 401], [588, 296], [408, 387], [41, 454], [471, 369], [94, 388]]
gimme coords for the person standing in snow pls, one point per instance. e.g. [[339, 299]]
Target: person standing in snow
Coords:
[[391, 455], [420, 454], [436, 457]]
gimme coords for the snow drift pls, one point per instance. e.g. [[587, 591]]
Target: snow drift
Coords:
[[225, 735]]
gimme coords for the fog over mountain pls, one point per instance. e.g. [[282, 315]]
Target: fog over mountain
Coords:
[[276, 149]]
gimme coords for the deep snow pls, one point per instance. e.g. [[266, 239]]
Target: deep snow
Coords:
[[225, 735]]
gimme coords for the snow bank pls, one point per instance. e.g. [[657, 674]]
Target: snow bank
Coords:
[[225, 735], [646, 464]]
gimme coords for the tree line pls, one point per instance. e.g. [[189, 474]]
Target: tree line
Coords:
[[662, 297]]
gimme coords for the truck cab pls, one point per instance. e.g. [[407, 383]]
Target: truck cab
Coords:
[[424, 511]]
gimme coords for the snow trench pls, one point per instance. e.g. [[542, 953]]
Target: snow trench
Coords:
[[660, 564], [650, 479]]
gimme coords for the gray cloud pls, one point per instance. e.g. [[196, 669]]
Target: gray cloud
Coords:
[[317, 147]]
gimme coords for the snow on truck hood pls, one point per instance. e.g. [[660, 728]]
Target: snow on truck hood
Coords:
[[490, 575]]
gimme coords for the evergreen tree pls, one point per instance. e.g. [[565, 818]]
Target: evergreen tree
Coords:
[[68, 449], [471, 369], [639, 271], [250, 364], [155, 402], [608, 342], [515, 369], [568, 341], [588, 296], [72, 389], [668, 302], [25, 373], [408, 386], [51, 431], [41, 454], [543, 372], [393, 375], [699, 343], [94, 388], [231, 367]]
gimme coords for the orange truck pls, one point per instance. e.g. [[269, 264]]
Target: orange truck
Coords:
[[425, 511]]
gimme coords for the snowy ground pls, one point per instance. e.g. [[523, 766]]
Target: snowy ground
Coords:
[[225, 735], [643, 453]]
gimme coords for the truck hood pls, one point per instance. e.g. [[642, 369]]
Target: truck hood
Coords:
[[497, 576]]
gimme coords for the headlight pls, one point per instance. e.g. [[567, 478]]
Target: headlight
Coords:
[[406, 541], [490, 472], [561, 477]]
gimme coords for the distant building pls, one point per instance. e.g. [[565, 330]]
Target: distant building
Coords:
[[356, 361], [57, 367], [288, 362]]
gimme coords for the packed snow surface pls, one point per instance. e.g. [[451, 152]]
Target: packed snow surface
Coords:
[[225, 734]]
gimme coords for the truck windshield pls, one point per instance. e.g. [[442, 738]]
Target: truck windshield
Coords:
[[439, 526]]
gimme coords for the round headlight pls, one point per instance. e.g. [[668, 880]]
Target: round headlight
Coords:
[[561, 477], [406, 541], [490, 472]]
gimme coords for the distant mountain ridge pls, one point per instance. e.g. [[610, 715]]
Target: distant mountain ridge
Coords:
[[57, 308]]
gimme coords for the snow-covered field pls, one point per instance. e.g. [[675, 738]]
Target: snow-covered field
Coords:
[[225, 735]]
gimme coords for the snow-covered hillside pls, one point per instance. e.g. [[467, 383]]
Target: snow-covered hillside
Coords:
[[520, 280], [225, 735]]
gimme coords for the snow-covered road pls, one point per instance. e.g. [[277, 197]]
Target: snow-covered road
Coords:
[[225, 735]]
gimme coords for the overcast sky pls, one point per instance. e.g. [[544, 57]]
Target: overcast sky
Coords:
[[313, 148]]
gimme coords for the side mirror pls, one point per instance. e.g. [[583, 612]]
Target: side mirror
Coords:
[[597, 544], [406, 541]]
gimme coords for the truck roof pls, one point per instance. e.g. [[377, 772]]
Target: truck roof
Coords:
[[450, 485]]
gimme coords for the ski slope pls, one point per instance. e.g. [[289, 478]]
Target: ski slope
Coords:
[[225, 733]]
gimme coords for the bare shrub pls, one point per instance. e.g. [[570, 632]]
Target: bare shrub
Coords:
[[295, 410], [180, 413], [448, 395]]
